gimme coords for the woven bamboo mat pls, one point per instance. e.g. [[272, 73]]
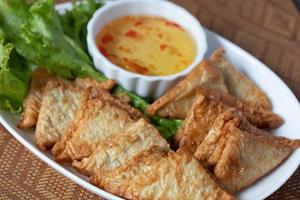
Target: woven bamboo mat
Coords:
[[268, 29]]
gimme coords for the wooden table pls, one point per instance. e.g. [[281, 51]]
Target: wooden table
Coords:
[[268, 29]]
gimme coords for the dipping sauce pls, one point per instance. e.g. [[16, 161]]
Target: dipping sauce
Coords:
[[147, 45]]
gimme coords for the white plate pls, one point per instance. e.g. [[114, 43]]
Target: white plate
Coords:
[[283, 100]]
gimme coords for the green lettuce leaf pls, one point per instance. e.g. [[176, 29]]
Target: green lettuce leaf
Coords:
[[74, 21], [166, 127], [14, 78], [35, 30]]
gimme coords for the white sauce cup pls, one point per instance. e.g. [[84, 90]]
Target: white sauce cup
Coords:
[[143, 85]]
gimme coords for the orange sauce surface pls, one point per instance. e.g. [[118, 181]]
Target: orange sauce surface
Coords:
[[147, 45]]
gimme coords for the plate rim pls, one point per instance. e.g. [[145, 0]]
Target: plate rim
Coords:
[[40, 154]]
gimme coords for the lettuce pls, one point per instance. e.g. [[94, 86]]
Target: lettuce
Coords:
[[14, 78], [35, 30], [74, 21]]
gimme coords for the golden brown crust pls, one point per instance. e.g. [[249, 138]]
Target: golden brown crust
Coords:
[[123, 97], [156, 174], [256, 115], [113, 151], [61, 100], [99, 116], [68, 133], [238, 84], [96, 116], [84, 83], [210, 150], [178, 100], [198, 122], [238, 166], [233, 147], [99, 93], [32, 102], [91, 93], [40, 78]]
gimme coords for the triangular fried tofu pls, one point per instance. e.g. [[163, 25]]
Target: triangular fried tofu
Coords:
[[208, 152], [114, 151], [178, 100], [198, 122], [256, 115], [208, 105], [92, 94], [61, 100], [156, 174], [32, 102], [238, 84], [239, 154], [101, 115]]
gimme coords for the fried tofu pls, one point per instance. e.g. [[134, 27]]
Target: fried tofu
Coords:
[[198, 122], [238, 84], [207, 152], [239, 155], [178, 100], [84, 83], [256, 115], [209, 104], [157, 174], [114, 151], [32, 102], [101, 115], [61, 100]]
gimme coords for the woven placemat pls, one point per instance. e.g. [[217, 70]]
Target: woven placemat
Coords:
[[24, 176], [268, 29]]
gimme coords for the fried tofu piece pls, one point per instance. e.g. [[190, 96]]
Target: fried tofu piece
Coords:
[[32, 102], [238, 84], [84, 83], [91, 94], [99, 93], [114, 151], [209, 104], [256, 115], [39, 80], [61, 100], [198, 122], [178, 100], [207, 152], [100, 115], [238, 154], [157, 174]]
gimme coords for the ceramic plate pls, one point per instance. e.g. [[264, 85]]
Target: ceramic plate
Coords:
[[284, 103]]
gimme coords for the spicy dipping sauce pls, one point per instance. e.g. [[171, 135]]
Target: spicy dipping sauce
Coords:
[[147, 45]]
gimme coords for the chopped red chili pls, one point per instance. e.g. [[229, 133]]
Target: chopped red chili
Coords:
[[133, 66], [125, 49], [163, 47], [132, 34], [138, 23], [173, 24], [103, 51], [107, 38]]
